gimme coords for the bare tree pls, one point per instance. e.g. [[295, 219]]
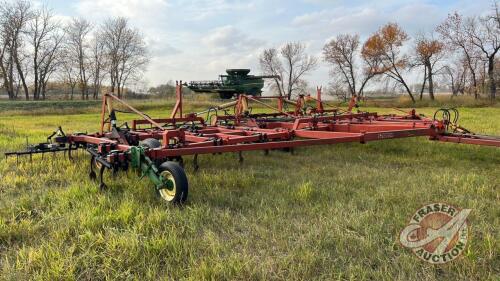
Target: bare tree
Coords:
[[336, 88], [384, 47], [291, 65], [429, 52], [14, 17], [77, 33], [456, 74], [45, 39], [17, 80], [52, 63], [342, 53], [496, 13], [68, 73], [270, 64], [5, 66], [33, 48], [484, 33], [126, 52], [453, 31], [98, 64], [1, 71], [297, 64]]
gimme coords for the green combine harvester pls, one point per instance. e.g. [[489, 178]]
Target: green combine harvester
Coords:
[[236, 81]]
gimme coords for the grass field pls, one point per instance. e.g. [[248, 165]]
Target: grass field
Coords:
[[325, 213]]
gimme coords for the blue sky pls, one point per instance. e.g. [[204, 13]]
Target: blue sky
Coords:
[[199, 39]]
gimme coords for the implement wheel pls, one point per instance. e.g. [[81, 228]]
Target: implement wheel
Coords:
[[225, 95], [151, 143], [175, 189]]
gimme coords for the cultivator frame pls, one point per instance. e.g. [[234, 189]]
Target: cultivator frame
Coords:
[[156, 146]]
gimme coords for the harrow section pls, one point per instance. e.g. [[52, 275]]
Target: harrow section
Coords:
[[155, 147]]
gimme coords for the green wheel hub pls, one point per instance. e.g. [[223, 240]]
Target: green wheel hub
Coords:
[[169, 188]]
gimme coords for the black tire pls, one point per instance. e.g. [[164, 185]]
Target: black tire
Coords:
[[175, 172], [151, 143], [226, 96], [256, 92]]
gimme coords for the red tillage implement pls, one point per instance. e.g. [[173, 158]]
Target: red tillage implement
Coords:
[[156, 146]]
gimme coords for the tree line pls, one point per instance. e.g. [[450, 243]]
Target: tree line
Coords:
[[36, 48], [462, 51]]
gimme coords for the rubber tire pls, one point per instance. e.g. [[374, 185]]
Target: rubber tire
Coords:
[[181, 181], [151, 143], [226, 96]]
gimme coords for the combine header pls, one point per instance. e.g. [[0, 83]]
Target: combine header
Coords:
[[156, 146]]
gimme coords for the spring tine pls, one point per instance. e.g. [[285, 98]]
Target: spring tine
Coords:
[[195, 163], [102, 185], [92, 174]]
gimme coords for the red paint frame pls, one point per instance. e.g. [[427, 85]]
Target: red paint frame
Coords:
[[246, 132]]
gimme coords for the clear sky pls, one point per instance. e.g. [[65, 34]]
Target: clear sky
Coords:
[[199, 39]]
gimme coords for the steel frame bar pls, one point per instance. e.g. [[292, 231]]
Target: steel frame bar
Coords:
[[178, 104], [469, 140]]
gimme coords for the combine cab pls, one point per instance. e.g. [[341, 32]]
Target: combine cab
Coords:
[[236, 81]]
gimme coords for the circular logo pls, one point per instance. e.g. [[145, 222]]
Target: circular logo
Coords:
[[437, 233]]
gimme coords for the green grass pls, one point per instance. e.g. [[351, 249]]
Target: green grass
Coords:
[[325, 213], [441, 100]]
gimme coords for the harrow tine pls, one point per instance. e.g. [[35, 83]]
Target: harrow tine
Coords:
[[102, 185], [69, 152], [240, 157], [196, 167], [92, 174]]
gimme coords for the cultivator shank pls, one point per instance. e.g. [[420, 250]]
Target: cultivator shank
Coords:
[[155, 147]]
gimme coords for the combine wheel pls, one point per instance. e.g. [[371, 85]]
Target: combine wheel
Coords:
[[151, 143], [226, 96], [175, 189]]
